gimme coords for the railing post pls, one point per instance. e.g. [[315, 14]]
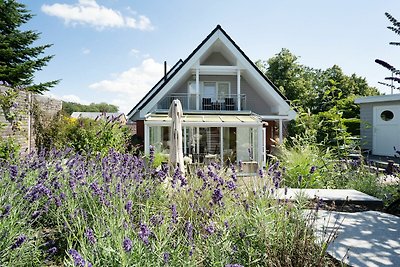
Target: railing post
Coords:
[[197, 88], [238, 90]]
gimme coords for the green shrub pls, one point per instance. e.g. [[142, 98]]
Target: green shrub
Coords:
[[8, 147], [83, 135], [308, 164]]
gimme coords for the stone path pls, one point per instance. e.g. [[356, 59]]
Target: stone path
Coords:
[[369, 238]]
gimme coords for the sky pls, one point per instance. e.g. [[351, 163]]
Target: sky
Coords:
[[113, 51]]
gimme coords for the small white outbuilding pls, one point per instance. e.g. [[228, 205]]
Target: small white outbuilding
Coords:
[[380, 123]]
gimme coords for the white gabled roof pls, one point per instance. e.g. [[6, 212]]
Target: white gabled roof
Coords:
[[218, 38], [377, 99]]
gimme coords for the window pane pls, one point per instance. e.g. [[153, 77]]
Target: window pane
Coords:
[[159, 138], [223, 90], [209, 90], [229, 144]]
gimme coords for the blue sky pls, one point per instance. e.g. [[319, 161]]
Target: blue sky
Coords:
[[113, 50]]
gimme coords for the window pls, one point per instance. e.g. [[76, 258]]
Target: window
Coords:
[[216, 90], [387, 115]]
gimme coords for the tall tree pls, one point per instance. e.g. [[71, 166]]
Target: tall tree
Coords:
[[19, 59], [324, 99], [395, 73]]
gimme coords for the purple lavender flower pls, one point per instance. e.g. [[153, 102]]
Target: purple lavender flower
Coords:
[[174, 214], [217, 195], [18, 241], [226, 223], [166, 257], [273, 167], [312, 169], [144, 233], [300, 178], [210, 229], [151, 156], [231, 185], [57, 201], [233, 265], [59, 168], [318, 204], [37, 192], [240, 165], [201, 174], [96, 191], [127, 244], [261, 173], [189, 231], [13, 171], [90, 236], [157, 219], [6, 211], [128, 206], [78, 259], [51, 251]]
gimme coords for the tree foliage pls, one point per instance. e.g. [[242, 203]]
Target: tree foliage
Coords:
[[19, 59], [69, 107], [395, 73], [324, 99]]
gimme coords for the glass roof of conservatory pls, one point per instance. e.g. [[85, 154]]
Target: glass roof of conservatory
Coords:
[[207, 120]]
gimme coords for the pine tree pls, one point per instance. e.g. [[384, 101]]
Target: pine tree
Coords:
[[395, 77], [19, 59]]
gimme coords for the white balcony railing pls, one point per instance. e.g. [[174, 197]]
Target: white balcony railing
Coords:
[[228, 103]]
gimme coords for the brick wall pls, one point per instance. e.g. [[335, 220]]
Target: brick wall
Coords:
[[25, 100]]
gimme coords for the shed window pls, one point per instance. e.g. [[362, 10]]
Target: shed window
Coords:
[[387, 115]]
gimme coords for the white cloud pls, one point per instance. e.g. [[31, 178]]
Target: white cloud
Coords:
[[134, 52], [88, 12], [85, 51], [131, 85]]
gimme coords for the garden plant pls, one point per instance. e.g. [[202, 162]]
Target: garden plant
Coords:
[[62, 208]]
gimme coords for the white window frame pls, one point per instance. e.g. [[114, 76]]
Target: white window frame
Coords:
[[216, 93]]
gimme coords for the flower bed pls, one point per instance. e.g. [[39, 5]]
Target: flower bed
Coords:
[[117, 210]]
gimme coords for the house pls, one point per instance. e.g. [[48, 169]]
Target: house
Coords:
[[231, 110], [101, 115], [380, 123]]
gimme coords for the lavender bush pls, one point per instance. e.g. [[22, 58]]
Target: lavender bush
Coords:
[[61, 208]]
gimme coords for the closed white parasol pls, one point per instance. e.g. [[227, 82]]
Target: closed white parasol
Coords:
[[175, 150]]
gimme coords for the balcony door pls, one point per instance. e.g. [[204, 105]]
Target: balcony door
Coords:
[[217, 91]]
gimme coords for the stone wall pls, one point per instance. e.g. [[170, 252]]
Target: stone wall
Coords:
[[24, 134]]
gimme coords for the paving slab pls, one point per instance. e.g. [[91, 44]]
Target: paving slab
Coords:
[[368, 238], [339, 196]]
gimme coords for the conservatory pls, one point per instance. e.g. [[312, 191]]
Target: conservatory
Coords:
[[206, 138]]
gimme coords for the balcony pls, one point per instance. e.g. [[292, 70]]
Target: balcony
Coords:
[[229, 103]]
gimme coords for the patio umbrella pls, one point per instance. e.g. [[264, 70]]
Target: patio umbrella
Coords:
[[175, 149]]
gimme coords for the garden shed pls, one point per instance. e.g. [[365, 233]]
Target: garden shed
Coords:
[[380, 124]]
